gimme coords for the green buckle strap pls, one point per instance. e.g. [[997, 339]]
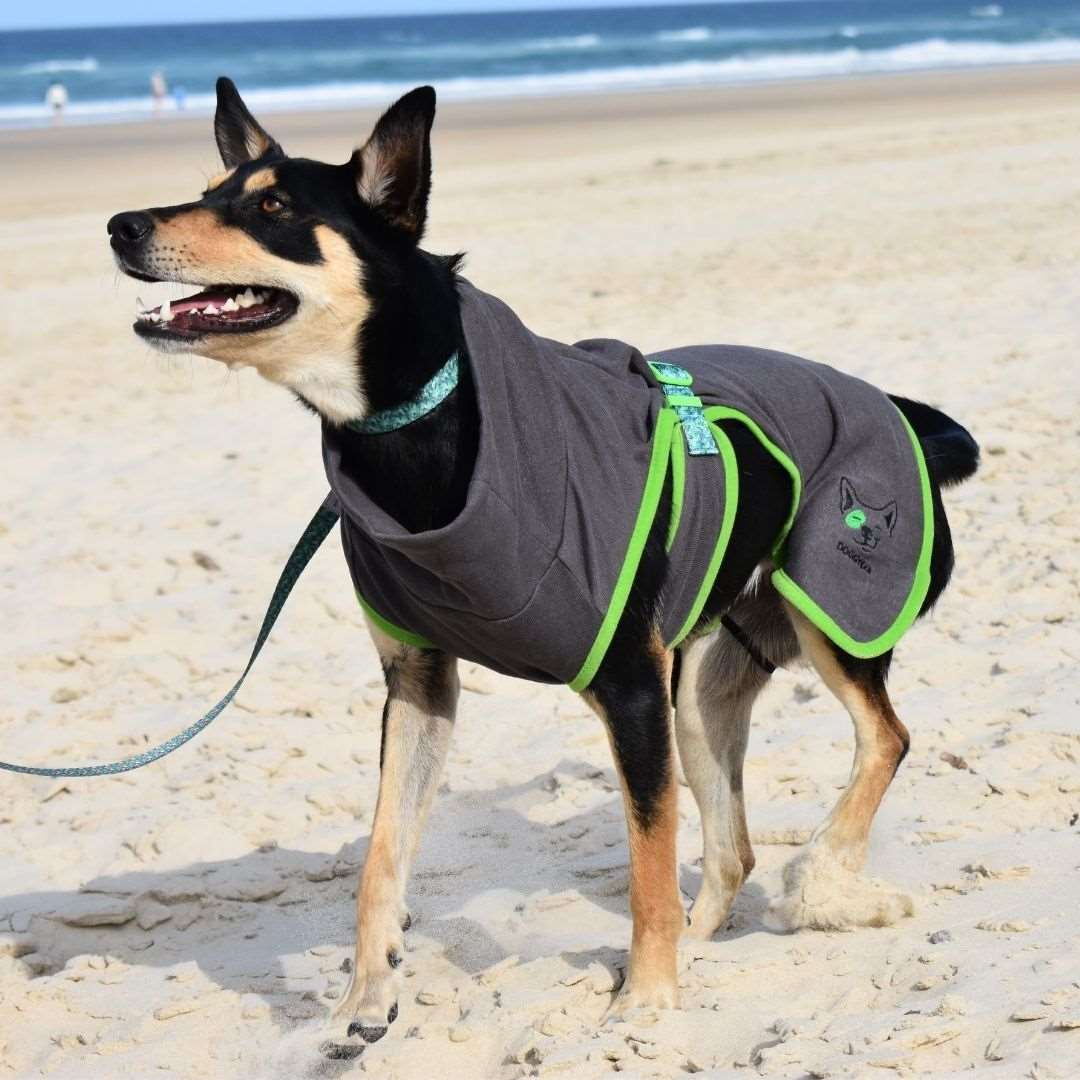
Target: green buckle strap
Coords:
[[677, 383]]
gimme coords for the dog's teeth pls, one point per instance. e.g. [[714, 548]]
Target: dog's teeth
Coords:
[[260, 298], [246, 299], [209, 310], [166, 312], [230, 305]]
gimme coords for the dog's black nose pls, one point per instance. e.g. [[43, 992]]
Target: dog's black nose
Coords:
[[129, 228]]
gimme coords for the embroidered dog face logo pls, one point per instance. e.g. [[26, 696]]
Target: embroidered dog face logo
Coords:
[[869, 524]]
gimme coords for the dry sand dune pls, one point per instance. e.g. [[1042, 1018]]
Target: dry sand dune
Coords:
[[192, 918]]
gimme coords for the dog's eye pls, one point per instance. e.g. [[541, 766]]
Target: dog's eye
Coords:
[[270, 205]]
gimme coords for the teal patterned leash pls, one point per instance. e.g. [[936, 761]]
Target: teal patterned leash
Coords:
[[318, 529]]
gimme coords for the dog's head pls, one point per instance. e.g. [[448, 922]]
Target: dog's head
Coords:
[[285, 250]]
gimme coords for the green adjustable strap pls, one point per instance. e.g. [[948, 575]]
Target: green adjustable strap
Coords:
[[683, 410], [316, 532], [678, 490], [677, 384], [731, 505], [660, 455]]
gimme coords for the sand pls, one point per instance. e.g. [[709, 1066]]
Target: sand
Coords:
[[192, 918]]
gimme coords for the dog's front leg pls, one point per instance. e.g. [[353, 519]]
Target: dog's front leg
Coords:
[[422, 692], [631, 695]]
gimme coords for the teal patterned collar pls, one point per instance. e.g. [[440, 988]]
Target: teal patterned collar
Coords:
[[433, 393]]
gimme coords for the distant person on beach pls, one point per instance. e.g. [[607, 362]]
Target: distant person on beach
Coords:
[[56, 98], [159, 90]]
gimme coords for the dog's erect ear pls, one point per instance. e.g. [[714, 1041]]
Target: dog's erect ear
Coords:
[[848, 498], [393, 168], [240, 139]]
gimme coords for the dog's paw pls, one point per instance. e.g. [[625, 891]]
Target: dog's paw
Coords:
[[632, 999], [373, 1026], [367, 1010], [336, 1050], [709, 913], [365, 1024], [820, 893]]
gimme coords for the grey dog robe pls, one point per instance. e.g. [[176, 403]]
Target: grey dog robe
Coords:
[[576, 443]]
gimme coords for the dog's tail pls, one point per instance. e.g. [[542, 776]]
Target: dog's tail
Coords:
[[952, 455]]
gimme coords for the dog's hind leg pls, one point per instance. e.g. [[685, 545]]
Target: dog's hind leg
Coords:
[[422, 693], [718, 683], [630, 693], [712, 723], [822, 888]]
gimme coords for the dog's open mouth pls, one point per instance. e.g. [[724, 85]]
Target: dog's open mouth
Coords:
[[222, 309]]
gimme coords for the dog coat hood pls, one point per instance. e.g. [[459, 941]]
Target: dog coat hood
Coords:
[[576, 443]]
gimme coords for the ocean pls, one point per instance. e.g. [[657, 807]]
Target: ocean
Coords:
[[338, 62]]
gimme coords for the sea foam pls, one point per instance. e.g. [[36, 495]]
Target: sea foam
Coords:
[[56, 67], [928, 54]]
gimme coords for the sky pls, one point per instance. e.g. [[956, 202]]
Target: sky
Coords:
[[57, 13]]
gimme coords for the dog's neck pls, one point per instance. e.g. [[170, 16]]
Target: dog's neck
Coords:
[[428, 398], [419, 472]]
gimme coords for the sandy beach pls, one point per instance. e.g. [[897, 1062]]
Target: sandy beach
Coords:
[[192, 918]]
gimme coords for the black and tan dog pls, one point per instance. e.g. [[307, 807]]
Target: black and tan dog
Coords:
[[312, 274]]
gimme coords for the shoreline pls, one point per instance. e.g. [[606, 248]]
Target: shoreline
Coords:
[[1022, 75], [472, 134]]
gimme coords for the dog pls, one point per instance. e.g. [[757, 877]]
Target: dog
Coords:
[[312, 274]]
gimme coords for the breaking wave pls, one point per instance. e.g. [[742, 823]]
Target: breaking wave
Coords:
[[763, 64], [56, 67]]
